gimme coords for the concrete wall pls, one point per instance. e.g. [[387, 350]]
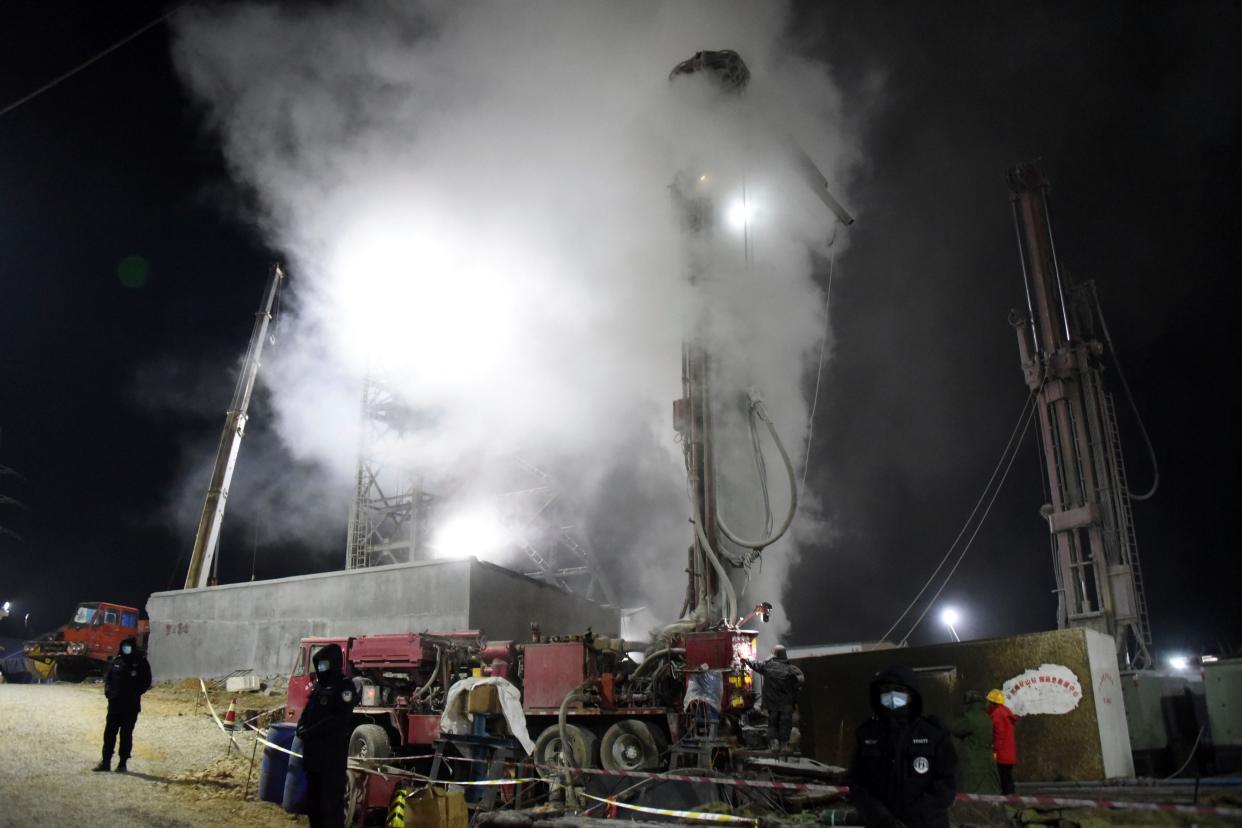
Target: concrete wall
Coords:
[[1110, 706], [215, 630], [504, 604], [1081, 743]]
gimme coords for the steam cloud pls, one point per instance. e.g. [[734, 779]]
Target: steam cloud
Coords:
[[474, 202]]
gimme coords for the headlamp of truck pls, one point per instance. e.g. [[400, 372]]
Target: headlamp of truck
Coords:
[[76, 648]]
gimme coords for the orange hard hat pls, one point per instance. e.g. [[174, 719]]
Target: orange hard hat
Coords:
[[996, 697]]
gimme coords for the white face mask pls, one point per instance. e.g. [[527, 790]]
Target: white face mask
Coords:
[[126, 650], [895, 699], [322, 665]]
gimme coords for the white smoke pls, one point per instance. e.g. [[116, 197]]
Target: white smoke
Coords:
[[474, 202]]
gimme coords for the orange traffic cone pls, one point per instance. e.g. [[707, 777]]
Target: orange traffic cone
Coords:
[[230, 718]]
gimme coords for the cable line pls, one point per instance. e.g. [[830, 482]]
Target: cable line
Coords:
[[1009, 446], [84, 64], [962, 556], [1151, 450], [819, 370]]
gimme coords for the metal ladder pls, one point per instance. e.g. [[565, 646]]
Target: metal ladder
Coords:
[[1129, 539]]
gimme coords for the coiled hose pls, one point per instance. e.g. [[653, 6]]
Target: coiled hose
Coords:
[[759, 410]]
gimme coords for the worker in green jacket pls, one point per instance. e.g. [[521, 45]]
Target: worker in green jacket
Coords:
[[976, 766]]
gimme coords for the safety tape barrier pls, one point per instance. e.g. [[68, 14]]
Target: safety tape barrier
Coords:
[[405, 774], [814, 788], [810, 787], [212, 710], [258, 735], [258, 716], [1112, 804], [699, 815], [1012, 799], [712, 780]]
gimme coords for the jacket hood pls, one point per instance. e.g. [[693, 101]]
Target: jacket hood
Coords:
[[903, 676], [132, 642], [332, 653]]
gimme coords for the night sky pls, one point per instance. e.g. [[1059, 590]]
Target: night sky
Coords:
[[129, 274]]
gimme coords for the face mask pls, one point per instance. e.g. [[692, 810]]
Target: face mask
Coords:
[[894, 700], [322, 665], [126, 650]]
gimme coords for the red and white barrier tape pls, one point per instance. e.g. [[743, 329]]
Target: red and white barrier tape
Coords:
[[1111, 804], [712, 780], [699, 815], [227, 731], [1012, 799]]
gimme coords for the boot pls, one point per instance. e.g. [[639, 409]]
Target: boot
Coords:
[[105, 764], [122, 768]]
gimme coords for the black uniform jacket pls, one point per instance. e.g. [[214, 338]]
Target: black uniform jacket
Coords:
[[904, 763], [327, 719], [128, 677]]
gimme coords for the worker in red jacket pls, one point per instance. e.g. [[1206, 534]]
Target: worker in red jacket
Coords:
[[1003, 744]]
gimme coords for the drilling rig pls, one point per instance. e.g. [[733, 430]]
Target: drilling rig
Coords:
[[718, 555], [1099, 582]]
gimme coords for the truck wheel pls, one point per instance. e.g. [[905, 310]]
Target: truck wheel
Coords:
[[70, 673], [583, 749], [631, 745], [369, 741]]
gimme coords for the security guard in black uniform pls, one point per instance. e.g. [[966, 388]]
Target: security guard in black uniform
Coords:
[[325, 728], [128, 677], [904, 763]]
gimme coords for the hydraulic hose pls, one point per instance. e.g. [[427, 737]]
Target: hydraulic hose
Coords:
[[566, 749], [658, 654], [757, 409], [418, 694], [726, 586]]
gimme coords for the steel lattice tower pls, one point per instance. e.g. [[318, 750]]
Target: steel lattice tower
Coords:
[[393, 515]]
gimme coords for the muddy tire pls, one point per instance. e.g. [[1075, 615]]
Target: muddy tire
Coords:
[[583, 749], [632, 745], [370, 741], [68, 672]]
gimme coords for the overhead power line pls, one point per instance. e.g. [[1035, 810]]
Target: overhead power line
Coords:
[[84, 64], [962, 555], [1010, 451]]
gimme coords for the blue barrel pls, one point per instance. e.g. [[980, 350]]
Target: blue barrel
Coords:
[[275, 762], [294, 801]]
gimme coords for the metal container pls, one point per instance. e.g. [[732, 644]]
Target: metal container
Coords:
[[276, 762], [1075, 730], [550, 672], [1222, 685], [294, 798]]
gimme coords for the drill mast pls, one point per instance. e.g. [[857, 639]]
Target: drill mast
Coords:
[[1099, 583]]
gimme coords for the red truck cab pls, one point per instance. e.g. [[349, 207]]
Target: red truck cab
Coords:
[[302, 679], [88, 642]]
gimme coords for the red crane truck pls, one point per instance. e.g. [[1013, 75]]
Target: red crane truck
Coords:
[[86, 644]]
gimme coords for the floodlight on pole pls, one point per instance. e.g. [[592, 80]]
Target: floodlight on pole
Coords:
[[949, 618]]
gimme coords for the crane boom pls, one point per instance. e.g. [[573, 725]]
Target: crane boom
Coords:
[[207, 539]]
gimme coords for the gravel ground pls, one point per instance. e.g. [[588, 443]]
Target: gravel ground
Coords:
[[180, 776]]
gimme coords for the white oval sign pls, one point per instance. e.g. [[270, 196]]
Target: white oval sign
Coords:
[[1051, 689]]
